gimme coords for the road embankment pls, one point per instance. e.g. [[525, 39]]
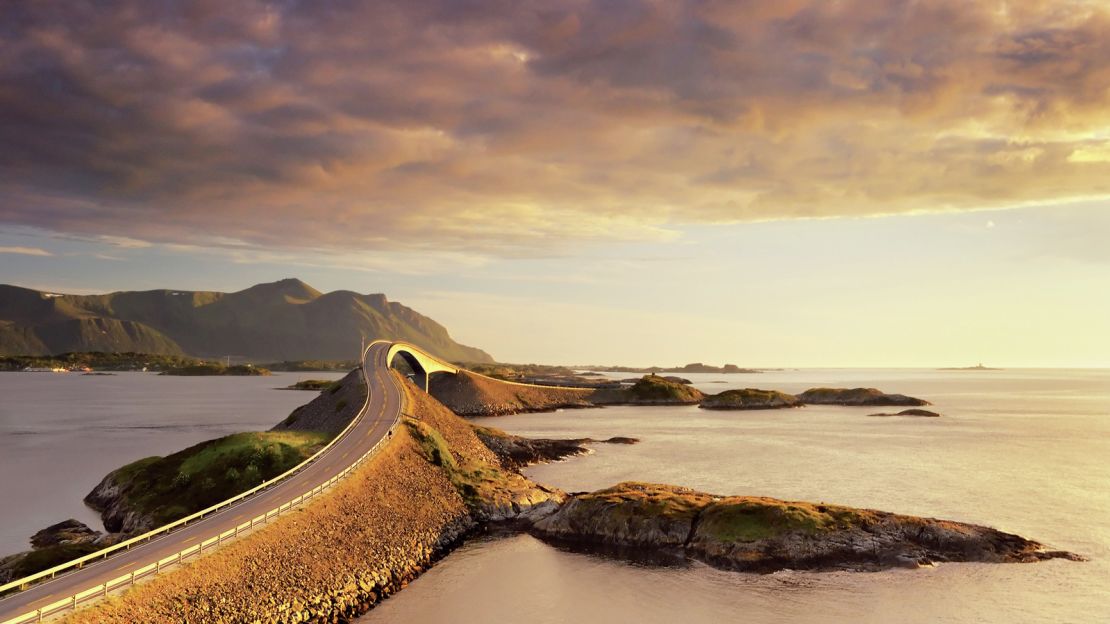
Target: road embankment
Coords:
[[468, 394], [353, 546]]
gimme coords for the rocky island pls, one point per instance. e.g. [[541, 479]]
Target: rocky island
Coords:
[[206, 369], [750, 399], [857, 397], [910, 412], [649, 390], [441, 478], [756, 534], [516, 452], [315, 385], [696, 367]]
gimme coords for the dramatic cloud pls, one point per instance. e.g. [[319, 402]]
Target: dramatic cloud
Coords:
[[24, 251], [513, 128]]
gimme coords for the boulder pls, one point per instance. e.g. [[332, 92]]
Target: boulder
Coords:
[[67, 532]]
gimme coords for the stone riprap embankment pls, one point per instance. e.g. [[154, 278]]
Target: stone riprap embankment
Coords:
[[354, 545], [468, 394], [331, 410]]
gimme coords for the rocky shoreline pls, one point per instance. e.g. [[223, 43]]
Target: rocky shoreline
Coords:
[[471, 395], [333, 560], [516, 452], [442, 478]]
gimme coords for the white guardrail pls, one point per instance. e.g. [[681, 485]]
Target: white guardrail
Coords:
[[71, 602]]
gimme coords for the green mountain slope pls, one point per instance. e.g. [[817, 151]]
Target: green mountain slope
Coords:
[[284, 320]]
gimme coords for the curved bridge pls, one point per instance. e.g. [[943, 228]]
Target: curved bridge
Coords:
[[88, 578], [422, 364]]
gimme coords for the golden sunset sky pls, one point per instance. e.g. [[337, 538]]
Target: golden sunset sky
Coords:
[[790, 183]]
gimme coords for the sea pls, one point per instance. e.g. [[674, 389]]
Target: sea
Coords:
[[61, 433], [1026, 451]]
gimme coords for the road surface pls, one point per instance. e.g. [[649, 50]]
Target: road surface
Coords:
[[382, 412]]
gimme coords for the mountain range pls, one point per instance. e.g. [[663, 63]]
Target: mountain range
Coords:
[[283, 320]]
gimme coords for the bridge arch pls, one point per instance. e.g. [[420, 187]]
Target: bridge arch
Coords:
[[420, 362]]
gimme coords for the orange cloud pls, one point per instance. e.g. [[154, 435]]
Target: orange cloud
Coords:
[[521, 127]]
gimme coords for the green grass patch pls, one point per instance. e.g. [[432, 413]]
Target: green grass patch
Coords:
[[476, 481], [656, 388], [200, 476], [745, 519], [319, 385], [634, 499]]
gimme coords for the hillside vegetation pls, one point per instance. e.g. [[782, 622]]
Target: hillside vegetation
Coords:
[[650, 390], [284, 320], [205, 369], [96, 360], [156, 490]]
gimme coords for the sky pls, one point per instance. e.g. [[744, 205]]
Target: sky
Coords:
[[792, 183]]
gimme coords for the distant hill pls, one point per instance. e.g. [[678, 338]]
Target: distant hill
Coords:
[[284, 320]]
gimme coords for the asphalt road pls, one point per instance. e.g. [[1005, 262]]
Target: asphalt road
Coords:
[[383, 409]]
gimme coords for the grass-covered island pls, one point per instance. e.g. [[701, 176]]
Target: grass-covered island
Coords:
[[153, 491], [96, 360], [305, 366], [316, 385], [857, 396], [764, 534], [206, 369], [750, 399], [650, 390]]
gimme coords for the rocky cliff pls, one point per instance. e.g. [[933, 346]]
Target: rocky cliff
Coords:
[[649, 390]]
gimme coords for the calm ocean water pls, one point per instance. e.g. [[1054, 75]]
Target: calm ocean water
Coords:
[[61, 433], [1027, 451]]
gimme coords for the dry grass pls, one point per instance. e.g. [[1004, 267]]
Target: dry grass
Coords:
[[388, 516]]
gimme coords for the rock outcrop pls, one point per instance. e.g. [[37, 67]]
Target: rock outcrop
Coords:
[[54, 545], [920, 413], [649, 390], [66, 532], [750, 399], [111, 498], [857, 396], [516, 452], [764, 534]]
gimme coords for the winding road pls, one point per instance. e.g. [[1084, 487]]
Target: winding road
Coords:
[[382, 411]]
